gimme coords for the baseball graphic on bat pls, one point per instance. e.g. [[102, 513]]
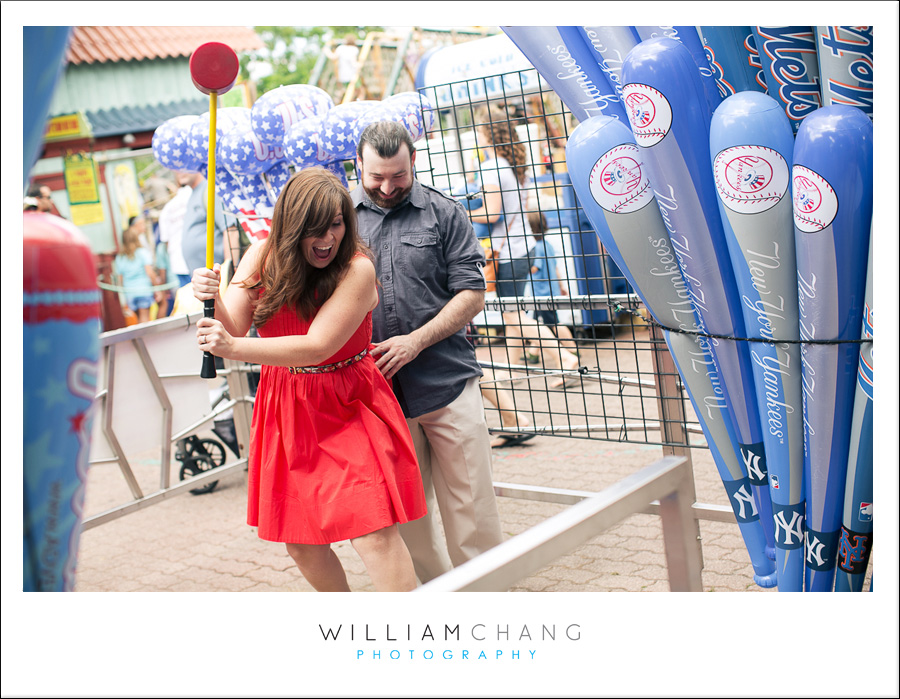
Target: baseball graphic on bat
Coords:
[[750, 179], [618, 183], [649, 112], [815, 203]]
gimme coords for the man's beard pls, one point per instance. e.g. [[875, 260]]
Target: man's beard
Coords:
[[387, 203]]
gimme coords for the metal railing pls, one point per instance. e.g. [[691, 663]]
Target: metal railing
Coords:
[[667, 484], [140, 341]]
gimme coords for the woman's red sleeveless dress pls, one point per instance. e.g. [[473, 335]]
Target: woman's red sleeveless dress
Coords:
[[331, 457]]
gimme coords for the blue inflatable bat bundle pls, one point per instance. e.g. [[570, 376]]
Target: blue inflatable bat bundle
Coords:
[[668, 110], [832, 203], [611, 182], [745, 257]]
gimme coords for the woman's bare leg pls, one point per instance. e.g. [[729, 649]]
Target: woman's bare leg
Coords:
[[320, 566], [387, 559]]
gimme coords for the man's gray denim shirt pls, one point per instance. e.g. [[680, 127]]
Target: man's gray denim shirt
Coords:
[[425, 251]]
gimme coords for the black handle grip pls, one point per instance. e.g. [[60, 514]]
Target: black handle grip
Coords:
[[208, 370]]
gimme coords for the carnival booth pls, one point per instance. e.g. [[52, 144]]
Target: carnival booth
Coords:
[[710, 250]]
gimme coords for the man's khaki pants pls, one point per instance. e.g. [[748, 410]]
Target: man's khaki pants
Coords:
[[454, 451]]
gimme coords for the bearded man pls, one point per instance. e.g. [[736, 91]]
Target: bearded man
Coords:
[[429, 265]]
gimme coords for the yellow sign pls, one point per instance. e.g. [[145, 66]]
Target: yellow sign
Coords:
[[67, 126], [81, 179], [83, 214]]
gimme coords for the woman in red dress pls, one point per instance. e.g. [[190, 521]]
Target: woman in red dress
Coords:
[[331, 457]]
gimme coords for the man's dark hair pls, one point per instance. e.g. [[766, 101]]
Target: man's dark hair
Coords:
[[385, 138], [34, 191]]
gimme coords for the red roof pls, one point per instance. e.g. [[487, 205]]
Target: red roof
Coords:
[[103, 44]]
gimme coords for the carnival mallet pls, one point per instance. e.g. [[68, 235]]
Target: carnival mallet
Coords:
[[214, 70]]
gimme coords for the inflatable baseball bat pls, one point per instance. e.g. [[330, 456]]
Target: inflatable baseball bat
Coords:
[[43, 63], [61, 342], [612, 186], [214, 69], [855, 545], [729, 59], [689, 37], [610, 46], [832, 202], [667, 108], [791, 69], [570, 68], [845, 66], [755, 61], [751, 149]]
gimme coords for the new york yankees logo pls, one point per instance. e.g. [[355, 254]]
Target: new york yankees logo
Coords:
[[789, 535]]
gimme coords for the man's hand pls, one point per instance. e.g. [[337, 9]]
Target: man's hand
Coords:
[[396, 352]]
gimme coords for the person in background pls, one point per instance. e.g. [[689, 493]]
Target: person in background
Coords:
[[137, 277], [346, 55], [165, 298], [171, 227], [139, 224], [545, 279], [226, 240], [38, 199], [503, 178]]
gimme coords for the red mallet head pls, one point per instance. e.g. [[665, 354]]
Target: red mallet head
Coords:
[[214, 67]]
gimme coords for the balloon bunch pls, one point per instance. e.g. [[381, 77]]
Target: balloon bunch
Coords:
[[289, 128], [746, 233]]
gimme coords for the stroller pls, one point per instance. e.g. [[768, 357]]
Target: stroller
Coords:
[[198, 455]]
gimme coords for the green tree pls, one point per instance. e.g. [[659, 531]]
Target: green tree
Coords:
[[293, 52]]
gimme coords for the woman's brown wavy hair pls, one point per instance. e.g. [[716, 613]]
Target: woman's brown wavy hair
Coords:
[[305, 208], [501, 133]]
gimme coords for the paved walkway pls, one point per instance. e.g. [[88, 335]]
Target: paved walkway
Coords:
[[201, 542]]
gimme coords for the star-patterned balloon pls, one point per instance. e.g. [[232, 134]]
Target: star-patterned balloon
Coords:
[[242, 153], [171, 144], [278, 176], [371, 116], [337, 135], [337, 168], [277, 110], [414, 110], [303, 143], [226, 119]]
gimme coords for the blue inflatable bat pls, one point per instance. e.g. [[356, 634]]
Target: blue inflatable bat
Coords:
[[734, 67], [855, 545], [568, 64], [832, 202], [845, 66], [610, 46], [751, 150], [690, 39], [791, 69]]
